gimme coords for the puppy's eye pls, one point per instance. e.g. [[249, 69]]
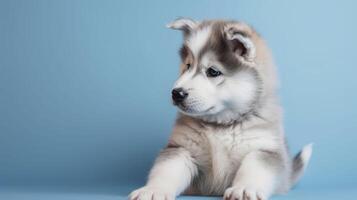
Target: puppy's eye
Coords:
[[211, 72], [188, 66]]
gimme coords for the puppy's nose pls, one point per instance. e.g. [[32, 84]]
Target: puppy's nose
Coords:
[[178, 95]]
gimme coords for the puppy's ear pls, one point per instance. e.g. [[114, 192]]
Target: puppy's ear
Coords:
[[240, 42], [184, 24]]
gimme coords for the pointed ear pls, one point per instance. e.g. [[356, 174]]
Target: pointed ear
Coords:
[[240, 42], [184, 24]]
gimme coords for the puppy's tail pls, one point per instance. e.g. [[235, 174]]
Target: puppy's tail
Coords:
[[300, 163]]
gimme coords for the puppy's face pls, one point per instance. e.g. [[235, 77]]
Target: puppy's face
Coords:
[[216, 74]]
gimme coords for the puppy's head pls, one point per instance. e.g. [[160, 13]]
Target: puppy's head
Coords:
[[219, 80]]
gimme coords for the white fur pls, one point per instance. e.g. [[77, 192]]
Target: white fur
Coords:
[[167, 179], [306, 153], [182, 23], [253, 179], [198, 39]]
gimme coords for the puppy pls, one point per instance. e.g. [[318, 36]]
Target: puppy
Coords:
[[228, 138]]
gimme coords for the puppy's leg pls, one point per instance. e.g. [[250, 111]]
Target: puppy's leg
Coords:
[[256, 177], [171, 175]]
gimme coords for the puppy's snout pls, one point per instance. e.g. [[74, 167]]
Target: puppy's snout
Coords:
[[178, 95]]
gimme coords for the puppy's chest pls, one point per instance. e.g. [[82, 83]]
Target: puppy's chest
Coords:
[[224, 146], [218, 156]]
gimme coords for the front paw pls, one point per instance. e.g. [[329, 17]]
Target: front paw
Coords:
[[151, 193], [244, 193]]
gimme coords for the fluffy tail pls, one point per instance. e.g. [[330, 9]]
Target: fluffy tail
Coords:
[[300, 162]]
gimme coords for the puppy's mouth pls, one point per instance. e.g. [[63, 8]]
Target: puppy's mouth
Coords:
[[193, 110]]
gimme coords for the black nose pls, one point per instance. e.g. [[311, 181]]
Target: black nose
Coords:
[[178, 95]]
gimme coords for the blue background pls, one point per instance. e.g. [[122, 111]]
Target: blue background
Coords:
[[85, 90]]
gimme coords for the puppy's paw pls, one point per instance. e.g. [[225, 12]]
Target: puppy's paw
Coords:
[[244, 193], [151, 193]]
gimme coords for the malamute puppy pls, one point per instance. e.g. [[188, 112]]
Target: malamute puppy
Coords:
[[228, 138]]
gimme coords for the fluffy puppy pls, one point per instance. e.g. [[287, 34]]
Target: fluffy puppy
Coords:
[[228, 138]]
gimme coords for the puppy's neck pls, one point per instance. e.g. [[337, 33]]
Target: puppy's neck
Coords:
[[267, 112]]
